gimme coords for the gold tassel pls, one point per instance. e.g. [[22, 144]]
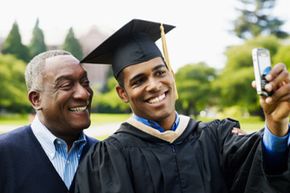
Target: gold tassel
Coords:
[[166, 56]]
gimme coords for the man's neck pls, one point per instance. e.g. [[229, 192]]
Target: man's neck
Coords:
[[167, 123]]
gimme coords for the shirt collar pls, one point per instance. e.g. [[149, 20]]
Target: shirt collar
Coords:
[[47, 140], [155, 125]]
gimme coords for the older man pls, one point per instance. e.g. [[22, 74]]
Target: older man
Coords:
[[43, 157]]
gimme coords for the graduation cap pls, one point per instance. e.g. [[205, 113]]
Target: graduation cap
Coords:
[[131, 44]]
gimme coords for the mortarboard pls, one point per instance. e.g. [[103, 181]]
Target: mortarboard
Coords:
[[131, 44]]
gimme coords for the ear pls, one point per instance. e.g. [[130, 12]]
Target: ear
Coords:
[[35, 99], [122, 94]]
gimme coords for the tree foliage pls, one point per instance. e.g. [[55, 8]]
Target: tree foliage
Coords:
[[283, 55], [13, 44], [109, 101], [193, 83], [37, 43], [110, 83], [72, 45], [255, 19], [240, 56], [13, 90]]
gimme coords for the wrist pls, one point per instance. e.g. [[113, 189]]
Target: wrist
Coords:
[[278, 128]]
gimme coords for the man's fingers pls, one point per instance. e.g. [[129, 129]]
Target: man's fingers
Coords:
[[281, 78], [238, 131], [280, 95], [275, 71], [254, 84]]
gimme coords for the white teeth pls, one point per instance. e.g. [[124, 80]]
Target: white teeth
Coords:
[[78, 109], [157, 99]]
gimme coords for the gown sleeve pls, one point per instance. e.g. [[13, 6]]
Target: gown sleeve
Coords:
[[103, 170], [242, 161]]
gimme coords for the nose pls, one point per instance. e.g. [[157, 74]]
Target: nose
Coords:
[[153, 85], [82, 92]]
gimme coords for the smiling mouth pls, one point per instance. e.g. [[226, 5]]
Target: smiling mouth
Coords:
[[157, 99], [78, 109]]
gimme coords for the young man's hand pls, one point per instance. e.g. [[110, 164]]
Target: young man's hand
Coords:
[[277, 107]]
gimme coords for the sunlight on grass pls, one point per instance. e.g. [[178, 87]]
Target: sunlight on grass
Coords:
[[108, 118], [14, 119], [101, 138], [250, 124], [18, 119]]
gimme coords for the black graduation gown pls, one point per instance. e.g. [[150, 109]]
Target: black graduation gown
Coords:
[[206, 158]]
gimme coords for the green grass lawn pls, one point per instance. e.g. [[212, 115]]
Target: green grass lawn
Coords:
[[108, 118], [17, 119], [14, 119], [251, 127], [248, 124]]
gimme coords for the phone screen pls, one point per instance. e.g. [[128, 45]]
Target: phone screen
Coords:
[[264, 61]]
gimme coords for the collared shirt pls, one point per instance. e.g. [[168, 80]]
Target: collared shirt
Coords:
[[64, 162], [155, 125]]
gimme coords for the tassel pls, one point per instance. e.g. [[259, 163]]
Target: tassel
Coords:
[[166, 56]]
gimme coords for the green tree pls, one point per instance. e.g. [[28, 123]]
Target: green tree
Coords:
[[109, 101], [13, 90], [13, 44], [255, 19], [283, 56], [37, 43], [110, 82], [72, 45], [193, 82]]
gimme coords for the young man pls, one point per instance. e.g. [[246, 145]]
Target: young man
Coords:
[[43, 156], [158, 150]]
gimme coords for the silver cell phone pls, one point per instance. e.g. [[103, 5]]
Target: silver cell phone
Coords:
[[262, 67]]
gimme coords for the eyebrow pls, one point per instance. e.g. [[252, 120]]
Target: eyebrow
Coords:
[[141, 74], [136, 78], [158, 67]]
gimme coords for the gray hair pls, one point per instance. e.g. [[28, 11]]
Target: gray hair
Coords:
[[34, 68]]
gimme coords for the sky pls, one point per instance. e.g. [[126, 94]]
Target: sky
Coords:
[[201, 33]]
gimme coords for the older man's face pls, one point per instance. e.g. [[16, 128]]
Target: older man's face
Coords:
[[66, 96]]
